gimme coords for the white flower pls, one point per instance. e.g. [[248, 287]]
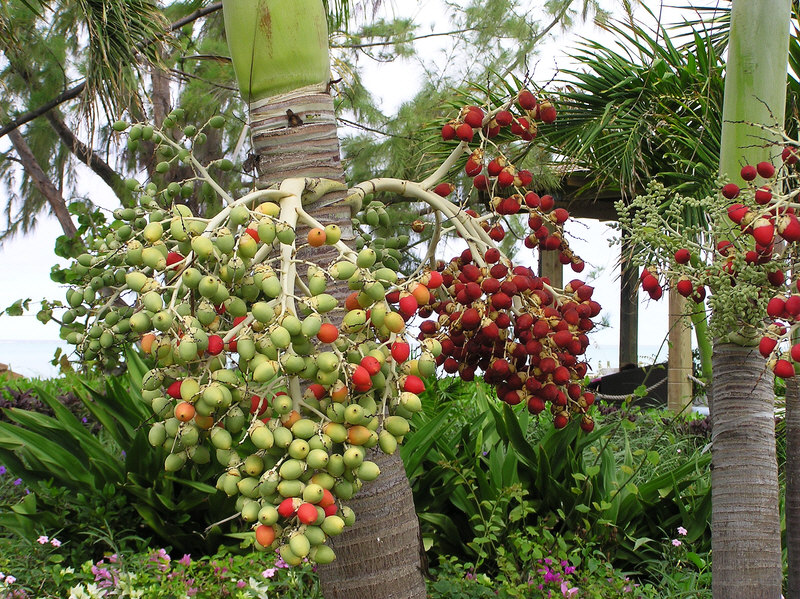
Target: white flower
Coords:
[[67, 571]]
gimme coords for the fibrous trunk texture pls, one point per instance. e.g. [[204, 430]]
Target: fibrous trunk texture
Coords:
[[294, 135], [792, 502], [745, 523]]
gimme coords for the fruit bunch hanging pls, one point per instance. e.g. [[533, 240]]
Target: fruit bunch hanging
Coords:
[[263, 364], [746, 263]]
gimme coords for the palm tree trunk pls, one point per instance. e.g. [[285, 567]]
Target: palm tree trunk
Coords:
[[792, 502], [379, 557], [746, 541]]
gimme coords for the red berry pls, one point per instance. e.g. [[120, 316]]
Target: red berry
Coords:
[[763, 231], [765, 169], [526, 99], [448, 132], [561, 420], [215, 344], [763, 195], [287, 507], [400, 351], [682, 256], [372, 365], [547, 112], [174, 390], [307, 513], [173, 258], [783, 369], [790, 155], [685, 287], [444, 189], [464, 132], [775, 307], [795, 352], [748, 172], [736, 212], [503, 118], [474, 117], [730, 191], [766, 345]]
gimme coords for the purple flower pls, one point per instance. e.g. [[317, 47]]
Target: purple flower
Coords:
[[17, 482], [3, 470], [566, 591], [241, 584], [84, 420], [682, 531], [569, 570]]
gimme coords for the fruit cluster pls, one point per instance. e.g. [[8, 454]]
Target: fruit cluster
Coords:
[[264, 365]]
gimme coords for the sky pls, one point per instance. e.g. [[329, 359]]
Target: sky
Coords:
[[26, 260]]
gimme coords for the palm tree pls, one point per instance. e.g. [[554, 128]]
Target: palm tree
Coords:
[[280, 53]]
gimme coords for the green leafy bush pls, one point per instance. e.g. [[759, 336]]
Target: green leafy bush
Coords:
[[114, 481]]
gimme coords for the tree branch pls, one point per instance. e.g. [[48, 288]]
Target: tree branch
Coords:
[[405, 41], [77, 90], [89, 157], [43, 183]]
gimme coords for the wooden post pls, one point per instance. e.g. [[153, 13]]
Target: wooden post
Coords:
[[628, 307], [680, 354], [551, 267]]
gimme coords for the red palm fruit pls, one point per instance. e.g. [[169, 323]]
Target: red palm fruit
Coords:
[[559, 216], [561, 375], [491, 331], [473, 167], [328, 333], [492, 129], [584, 292], [795, 352], [316, 390], [552, 242], [215, 345], [497, 233], [789, 227], [470, 319], [748, 172], [526, 100], [490, 285], [492, 255], [535, 404], [776, 277], [560, 420], [540, 328], [412, 384], [547, 365], [766, 345], [685, 287], [506, 177], [288, 506], [432, 280], [496, 165], [763, 195], [532, 200], [587, 424], [682, 256], [327, 499], [547, 112], [450, 365], [174, 390], [649, 283], [258, 405], [790, 155], [792, 306], [520, 126], [656, 293], [535, 222], [763, 231], [448, 132], [265, 535], [400, 351], [776, 307], [474, 116], [307, 513], [783, 369], [173, 258], [361, 379], [464, 132], [393, 297], [724, 247], [736, 212], [699, 295], [730, 191], [481, 182], [500, 301], [351, 302], [562, 338], [371, 363], [578, 265], [471, 272], [503, 118], [525, 177], [513, 397], [765, 169], [408, 305], [508, 287], [564, 258], [444, 189], [546, 203], [574, 391]]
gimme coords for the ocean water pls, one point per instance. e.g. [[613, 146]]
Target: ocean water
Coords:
[[32, 358]]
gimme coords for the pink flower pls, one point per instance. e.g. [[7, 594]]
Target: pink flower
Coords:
[[241, 584], [42, 540], [10, 579], [566, 591], [55, 542], [682, 531], [676, 542], [269, 572], [186, 560]]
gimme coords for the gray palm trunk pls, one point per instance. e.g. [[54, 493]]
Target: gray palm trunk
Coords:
[[746, 541], [792, 503], [378, 557]]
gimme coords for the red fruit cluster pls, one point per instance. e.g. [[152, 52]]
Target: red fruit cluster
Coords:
[[781, 309], [522, 123], [503, 320]]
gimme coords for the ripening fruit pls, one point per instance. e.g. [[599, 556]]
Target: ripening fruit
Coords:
[[265, 535], [766, 345], [765, 169], [682, 256], [748, 172], [783, 369], [316, 237], [730, 191]]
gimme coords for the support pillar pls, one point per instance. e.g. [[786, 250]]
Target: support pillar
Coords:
[[551, 267], [628, 307], [679, 366]]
